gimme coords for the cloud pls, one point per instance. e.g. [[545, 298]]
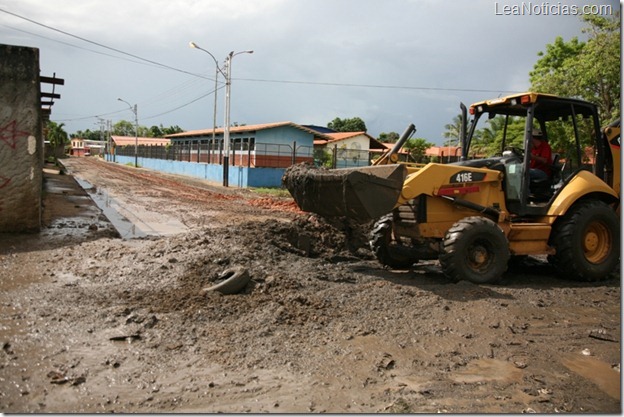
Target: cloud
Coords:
[[391, 63]]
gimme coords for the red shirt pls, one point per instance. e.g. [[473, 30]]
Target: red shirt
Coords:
[[542, 150]]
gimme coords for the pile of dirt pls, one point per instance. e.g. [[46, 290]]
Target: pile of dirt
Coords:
[[91, 323]]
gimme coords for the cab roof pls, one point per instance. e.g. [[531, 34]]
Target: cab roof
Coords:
[[548, 106]]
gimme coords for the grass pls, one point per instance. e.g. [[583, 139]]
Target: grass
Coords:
[[272, 191]]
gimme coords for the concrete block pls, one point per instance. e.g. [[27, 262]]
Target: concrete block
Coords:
[[21, 141]]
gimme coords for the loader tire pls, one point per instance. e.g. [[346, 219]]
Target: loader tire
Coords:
[[388, 250], [587, 242], [475, 249]]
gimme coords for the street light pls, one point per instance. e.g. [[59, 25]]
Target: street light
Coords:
[[228, 83], [136, 131], [217, 71], [226, 134]]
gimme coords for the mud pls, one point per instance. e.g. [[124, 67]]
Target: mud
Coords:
[[359, 195], [91, 322]]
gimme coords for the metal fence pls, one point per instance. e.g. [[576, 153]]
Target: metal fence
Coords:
[[256, 155]]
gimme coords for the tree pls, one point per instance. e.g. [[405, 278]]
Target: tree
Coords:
[[587, 70], [123, 128], [322, 158], [87, 135], [417, 148], [171, 130], [354, 124], [452, 131], [488, 140], [514, 135], [126, 128], [391, 137], [56, 134], [156, 132]]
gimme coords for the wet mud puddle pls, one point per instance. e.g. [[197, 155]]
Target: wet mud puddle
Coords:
[[599, 372]]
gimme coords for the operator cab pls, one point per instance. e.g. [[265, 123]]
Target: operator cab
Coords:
[[504, 127]]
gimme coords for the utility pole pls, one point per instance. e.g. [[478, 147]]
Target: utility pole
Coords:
[[109, 139], [136, 132], [226, 133], [214, 108]]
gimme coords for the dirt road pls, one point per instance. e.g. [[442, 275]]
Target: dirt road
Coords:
[[92, 323]]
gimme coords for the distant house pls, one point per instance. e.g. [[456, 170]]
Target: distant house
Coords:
[[94, 147], [276, 145], [77, 147], [350, 149], [444, 153]]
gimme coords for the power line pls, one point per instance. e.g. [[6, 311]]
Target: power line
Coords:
[[255, 79], [396, 87], [158, 64], [154, 63], [77, 47], [97, 43], [183, 105]]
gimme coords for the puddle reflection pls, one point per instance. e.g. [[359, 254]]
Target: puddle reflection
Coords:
[[108, 205]]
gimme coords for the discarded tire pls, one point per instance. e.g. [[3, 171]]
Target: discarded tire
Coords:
[[231, 281]]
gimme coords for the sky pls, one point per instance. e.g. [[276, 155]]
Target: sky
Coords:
[[390, 63]]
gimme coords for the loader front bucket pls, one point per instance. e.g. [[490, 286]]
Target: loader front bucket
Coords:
[[360, 194]]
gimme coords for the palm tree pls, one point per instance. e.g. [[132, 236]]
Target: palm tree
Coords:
[[453, 131], [56, 134], [484, 139]]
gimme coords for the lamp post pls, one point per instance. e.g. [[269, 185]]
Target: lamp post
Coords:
[[228, 83], [217, 70], [226, 133], [136, 131]]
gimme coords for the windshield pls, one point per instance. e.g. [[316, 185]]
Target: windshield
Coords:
[[491, 134]]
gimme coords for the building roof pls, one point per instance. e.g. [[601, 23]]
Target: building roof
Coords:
[[131, 140], [243, 129], [320, 129], [443, 151], [345, 135], [340, 136]]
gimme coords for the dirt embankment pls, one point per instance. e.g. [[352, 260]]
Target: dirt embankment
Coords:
[[94, 323]]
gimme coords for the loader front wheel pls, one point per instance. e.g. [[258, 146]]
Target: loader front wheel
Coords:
[[587, 242], [475, 249], [388, 248]]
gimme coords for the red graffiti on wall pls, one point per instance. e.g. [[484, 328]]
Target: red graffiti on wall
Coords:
[[4, 181], [9, 134]]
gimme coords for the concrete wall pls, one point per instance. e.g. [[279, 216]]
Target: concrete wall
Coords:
[[238, 176], [21, 143]]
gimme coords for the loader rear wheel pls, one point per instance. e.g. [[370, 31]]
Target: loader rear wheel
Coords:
[[389, 249], [587, 242], [475, 249]]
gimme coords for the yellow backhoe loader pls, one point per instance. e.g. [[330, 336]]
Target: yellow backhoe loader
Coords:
[[475, 215]]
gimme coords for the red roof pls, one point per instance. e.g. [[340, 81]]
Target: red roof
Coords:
[[246, 128], [131, 140], [443, 151], [344, 135]]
